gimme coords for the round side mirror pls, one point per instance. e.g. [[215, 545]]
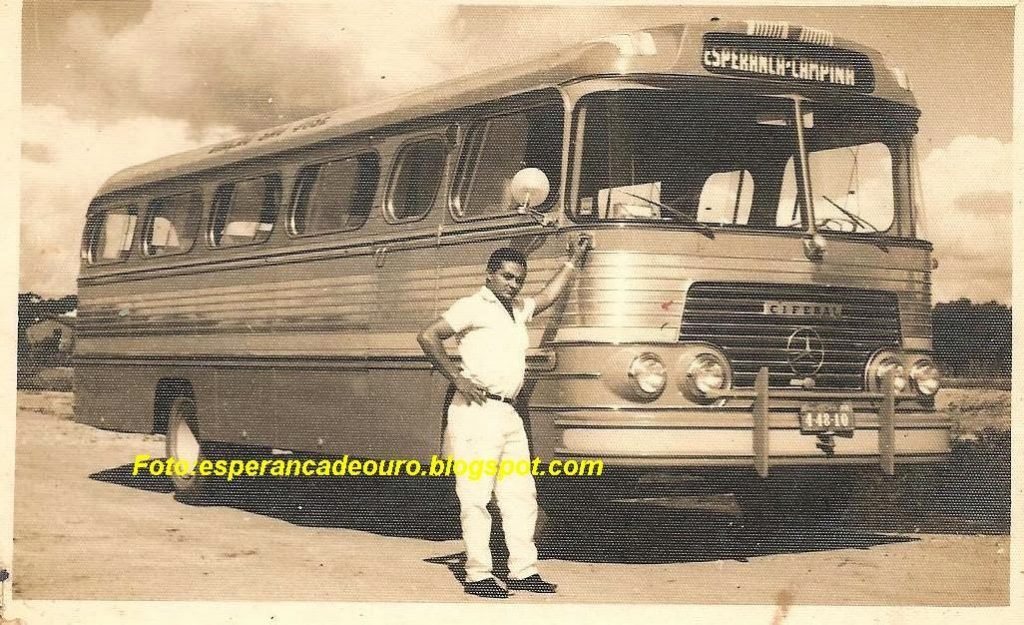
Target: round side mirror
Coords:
[[529, 188]]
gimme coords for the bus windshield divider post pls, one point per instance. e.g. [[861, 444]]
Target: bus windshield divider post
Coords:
[[803, 168], [887, 426], [760, 414]]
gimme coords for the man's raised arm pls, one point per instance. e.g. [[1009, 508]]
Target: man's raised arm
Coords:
[[554, 288]]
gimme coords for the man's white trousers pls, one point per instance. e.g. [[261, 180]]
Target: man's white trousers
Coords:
[[493, 431]]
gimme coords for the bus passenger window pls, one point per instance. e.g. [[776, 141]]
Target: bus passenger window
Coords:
[[109, 235], [172, 224], [244, 211], [726, 198], [417, 177], [499, 147], [334, 196]]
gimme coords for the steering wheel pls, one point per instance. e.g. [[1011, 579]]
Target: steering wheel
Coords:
[[841, 222]]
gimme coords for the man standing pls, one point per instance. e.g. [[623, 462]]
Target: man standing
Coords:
[[482, 420]]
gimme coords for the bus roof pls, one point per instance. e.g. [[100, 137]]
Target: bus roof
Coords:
[[769, 51]]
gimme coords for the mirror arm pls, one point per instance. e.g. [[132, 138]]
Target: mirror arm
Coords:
[[543, 219]]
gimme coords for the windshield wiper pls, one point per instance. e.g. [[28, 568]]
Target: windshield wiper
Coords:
[[860, 221], [702, 228]]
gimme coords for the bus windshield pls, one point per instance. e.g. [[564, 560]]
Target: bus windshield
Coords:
[[718, 160]]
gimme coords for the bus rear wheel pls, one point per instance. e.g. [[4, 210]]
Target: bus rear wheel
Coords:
[[184, 444]]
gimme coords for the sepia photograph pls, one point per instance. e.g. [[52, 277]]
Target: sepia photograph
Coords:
[[511, 305]]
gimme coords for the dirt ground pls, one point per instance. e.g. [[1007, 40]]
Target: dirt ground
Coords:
[[86, 529]]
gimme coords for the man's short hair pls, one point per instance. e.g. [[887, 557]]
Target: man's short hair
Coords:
[[502, 255]]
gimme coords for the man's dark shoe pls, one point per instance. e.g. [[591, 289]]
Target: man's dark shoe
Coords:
[[533, 583], [488, 588]]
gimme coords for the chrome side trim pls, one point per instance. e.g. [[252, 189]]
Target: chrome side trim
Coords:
[[720, 461], [712, 423], [536, 363]]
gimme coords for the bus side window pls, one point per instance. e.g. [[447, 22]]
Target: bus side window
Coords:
[[416, 179], [334, 196], [499, 147], [172, 224], [109, 235], [244, 211]]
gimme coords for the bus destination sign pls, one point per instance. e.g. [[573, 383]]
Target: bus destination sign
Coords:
[[791, 61], [750, 62]]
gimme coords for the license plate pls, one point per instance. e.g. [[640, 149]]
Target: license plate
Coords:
[[827, 417]]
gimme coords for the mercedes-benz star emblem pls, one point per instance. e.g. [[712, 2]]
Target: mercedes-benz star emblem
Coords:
[[805, 351]]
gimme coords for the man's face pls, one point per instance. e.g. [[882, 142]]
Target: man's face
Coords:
[[507, 281]]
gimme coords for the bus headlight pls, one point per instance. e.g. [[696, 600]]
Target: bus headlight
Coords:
[[882, 366], [926, 377], [706, 373], [648, 375]]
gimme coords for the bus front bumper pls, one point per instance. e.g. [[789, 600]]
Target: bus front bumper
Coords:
[[748, 428]]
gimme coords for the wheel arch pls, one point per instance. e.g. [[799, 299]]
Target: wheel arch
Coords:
[[167, 390]]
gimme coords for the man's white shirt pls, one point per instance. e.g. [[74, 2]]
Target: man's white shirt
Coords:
[[492, 344]]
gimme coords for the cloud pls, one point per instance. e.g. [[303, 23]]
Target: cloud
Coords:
[[967, 188], [994, 203], [253, 64], [37, 152], [257, 64], [79, 156]]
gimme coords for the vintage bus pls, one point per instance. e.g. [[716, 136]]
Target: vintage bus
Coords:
[[757, 301]]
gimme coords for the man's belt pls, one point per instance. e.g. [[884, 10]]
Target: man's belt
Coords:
[[508, 400]]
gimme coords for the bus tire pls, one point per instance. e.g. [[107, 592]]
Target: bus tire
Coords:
[[183, 443]]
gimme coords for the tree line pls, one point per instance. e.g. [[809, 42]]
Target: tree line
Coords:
[[973, 340], [45, 352]]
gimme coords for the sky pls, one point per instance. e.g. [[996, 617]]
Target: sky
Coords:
[[106, 85]]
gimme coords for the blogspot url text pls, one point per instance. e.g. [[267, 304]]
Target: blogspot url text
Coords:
[[350, 467]]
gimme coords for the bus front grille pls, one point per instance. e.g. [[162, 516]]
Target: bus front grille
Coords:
[[797, 331]]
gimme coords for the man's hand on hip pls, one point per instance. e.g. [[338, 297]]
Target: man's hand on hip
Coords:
[[474, 393]]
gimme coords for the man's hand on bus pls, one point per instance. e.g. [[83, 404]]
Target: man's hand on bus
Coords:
[[579, 249]]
